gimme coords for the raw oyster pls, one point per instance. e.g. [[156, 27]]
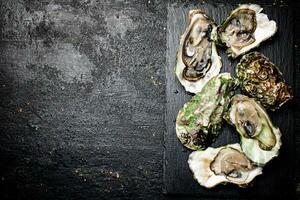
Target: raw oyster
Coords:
[[262, 80], [260, 139], [244, 29], [199, 121], [220, 165], [197, 58]]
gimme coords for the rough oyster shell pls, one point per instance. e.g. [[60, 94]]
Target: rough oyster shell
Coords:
[[260, 139], [262, 80], [197, 58], [199, 122], [244, 29], [220, 165]]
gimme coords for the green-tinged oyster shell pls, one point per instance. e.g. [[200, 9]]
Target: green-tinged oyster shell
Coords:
[[260, 139], [197, 58], [244, 29], [199, 121], [262, 80]]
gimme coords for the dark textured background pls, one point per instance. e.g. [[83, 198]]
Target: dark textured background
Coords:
[[82, 98]]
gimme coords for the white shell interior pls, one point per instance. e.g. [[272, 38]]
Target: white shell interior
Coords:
[[196, 86], [199, 163], [265, 29], [251, 146]]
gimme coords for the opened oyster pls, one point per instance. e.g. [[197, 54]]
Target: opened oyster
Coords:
[[262, 80], [220, 165], [244, 29], [199, 121], [260, 139], [197, 59]]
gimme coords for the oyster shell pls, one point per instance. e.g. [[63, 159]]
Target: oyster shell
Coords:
[[244, 29], [197, 58], [199, 122], [262, 80], [260, 139], [220, 165]]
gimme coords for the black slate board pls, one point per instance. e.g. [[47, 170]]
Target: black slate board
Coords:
[[277, 179]]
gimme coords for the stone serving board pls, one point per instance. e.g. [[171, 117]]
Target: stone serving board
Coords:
[[277, 179]]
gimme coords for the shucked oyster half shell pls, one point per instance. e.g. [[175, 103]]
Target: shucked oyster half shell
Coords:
[[262, 80], [197, 59], [244, 29], [199, 122], [260, 139], [220, 165]]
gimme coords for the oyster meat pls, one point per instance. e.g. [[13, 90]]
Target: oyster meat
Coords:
[[244, 29], [220, 165], [260, 139], [197, 59], [199, 122], [262, 80]]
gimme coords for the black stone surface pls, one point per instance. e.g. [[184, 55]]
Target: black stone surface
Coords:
[[178, 178], [82, 98]]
